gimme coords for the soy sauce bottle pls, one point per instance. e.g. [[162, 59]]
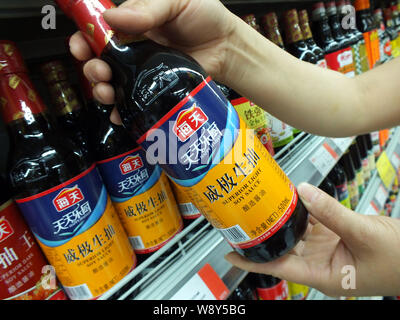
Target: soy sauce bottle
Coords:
[[356, 158], [329, 187], [335, 25], [140, 192], [339, 179], [60, 194], [168, 103], [362, 146], [348, 167], [269, 287]]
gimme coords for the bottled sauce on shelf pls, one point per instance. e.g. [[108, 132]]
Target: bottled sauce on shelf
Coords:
[[336, 58], [70, 114], [361, 63], [338, 177], [366, 25], [162, 91], [356, 158], [347, 164], [60, 195], [385, 37], [298, 291], [21, 260], [281, 133], [329, 187], [295, 43], [376, 147], [334, 23], [392, 31], [269, 287], [362, 146], [139, 191], [254, 116], [244, 291], [309, 40], [371, 155]]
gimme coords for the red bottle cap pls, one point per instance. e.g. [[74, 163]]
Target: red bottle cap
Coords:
[[361, 4], [11, 60], [330, 4]]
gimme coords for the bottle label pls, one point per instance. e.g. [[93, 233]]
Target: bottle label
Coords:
[[298, 291], [21, 260], [143, 199], [80, 233], [367, 172], [353, 193], [185, 202], [255, 118], [360, 181], [281, 133], [237, 185], [64, 97], [342, 61], [278, 292], [375, 50], [343, 195], [371, 161], [361, 62]]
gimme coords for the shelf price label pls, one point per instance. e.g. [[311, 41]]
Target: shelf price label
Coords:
[[324, 159], [342, 143], [372, 209], [381, 196], [385, 170], [395, 159], [204, 285]]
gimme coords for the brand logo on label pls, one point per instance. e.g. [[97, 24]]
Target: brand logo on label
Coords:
[[131, 164], [5, 229], [345, 58], [67, 198], [189, 121], [322, 63]]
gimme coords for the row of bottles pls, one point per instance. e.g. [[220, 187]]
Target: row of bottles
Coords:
[[266, 287], [349, 178]]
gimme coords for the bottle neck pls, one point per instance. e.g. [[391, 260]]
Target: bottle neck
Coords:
[[19, 100], [274, 35], [88, 16], [21, 131]]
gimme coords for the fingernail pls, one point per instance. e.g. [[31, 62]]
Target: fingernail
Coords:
[[308, 193]]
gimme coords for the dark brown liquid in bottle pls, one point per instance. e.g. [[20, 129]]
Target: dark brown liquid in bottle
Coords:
[[150, 80]]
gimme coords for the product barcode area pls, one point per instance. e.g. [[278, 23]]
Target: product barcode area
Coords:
[[81, 292], [235, 234]]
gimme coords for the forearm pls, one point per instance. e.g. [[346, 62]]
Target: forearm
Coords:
[[303, 95]]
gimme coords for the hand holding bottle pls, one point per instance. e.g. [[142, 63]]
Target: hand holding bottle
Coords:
[[201, 29], [338, 237]]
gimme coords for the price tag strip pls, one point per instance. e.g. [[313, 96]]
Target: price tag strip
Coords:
[[372, 209], [342, 143], [204, 285], [395, 159], [324, 159], [381, 197]]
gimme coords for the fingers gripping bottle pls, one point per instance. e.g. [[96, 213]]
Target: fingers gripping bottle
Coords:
[[60, 194], [187, 126]]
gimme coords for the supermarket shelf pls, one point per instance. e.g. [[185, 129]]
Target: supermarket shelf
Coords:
[[396, 209], [167, 270], [372, 198]]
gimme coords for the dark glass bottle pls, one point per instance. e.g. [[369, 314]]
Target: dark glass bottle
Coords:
[[269, 287], [72, 117], [385, 47], [389, 25], [295, 43], [309, 40], [366, 25], [59, 193], [157, 87], [371, 154], [347, 163], [244, 291], [329, 187], [335, 25], [362, 146], [356, 158], [321, 29], [281, 133], [338, 177], [352, 35], [139, 191]]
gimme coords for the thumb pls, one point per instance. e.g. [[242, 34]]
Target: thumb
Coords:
[[140, 16], [346, 223]]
